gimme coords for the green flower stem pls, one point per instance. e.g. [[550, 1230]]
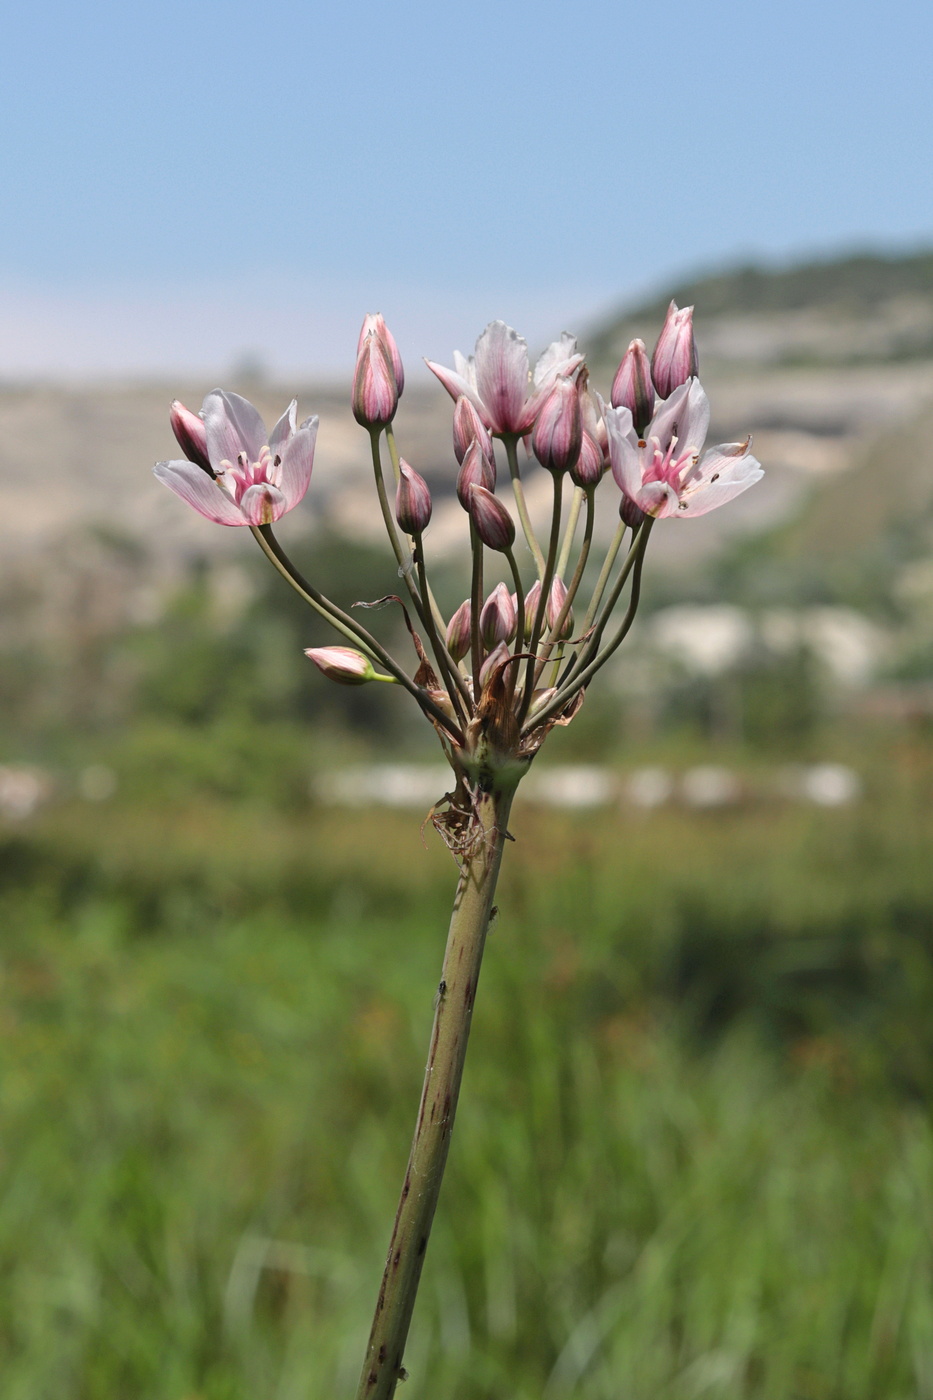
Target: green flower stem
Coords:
[[520, 619], [562, 559], [445, 662], [511, 452], [579, 679], [476, 603], [349, 626], [540, 616], [557, 629], [603, 579], [393, 452], [469, 923]]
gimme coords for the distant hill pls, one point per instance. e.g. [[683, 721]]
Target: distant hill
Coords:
[[860, 309]]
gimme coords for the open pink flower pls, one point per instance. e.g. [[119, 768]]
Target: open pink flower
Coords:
[[254, 476], [663, 472], [498, 381]]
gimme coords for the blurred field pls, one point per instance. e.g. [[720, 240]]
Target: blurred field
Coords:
[[694, 1152]]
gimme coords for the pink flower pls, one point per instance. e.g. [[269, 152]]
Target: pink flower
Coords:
[[663, 472], [498, 618], [412, 500], [375, 389], [498, 381], [342, 664], [558, 432], [257, 476], [633, 387], [374, 324]]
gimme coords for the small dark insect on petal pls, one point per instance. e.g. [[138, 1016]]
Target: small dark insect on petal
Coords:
[[714, 477]]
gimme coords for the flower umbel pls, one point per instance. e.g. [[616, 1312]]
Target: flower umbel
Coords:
[[250, 477]]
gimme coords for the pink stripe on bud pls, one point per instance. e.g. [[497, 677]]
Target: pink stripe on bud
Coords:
[[375, 393], [412, 500], [590, 464], [556, 600], [494, 525], [342, 664], [532, 603], [191, 435], [632, 387], [558, 431], [477, 469], [675, 356], [493, 661], [459, 631], [469, 425], [374, 323], [498, 618], [632, 515]]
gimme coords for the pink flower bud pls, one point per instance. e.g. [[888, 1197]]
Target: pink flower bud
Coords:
[[375, 393], [632, 387], [467, 426], [374, 323], [412, 500], [493, 661], [191, 435], [494, 525], [632, 515], [342, 664], [675, 356], [556, 600], [459, 631], [532, 603], [558, 430], [478, 469], [590, 465], [498, 618]]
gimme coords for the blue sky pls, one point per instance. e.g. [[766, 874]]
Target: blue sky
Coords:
[[189, 184]]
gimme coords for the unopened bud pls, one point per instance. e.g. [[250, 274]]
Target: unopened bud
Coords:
[[467, 426], [590, 465], [497, 619], [412, 500], [191, 435], [558, 430], [459, 631], [632, 387], [539, 699], [478, 469], [532, 603], [555, 603], [493, 661], [494, 525], [375, 393], [675, 356], [632, 515], [374, 323], [342, 664]]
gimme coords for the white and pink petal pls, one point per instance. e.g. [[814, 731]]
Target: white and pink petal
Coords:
[[199, 490], [294, 474]]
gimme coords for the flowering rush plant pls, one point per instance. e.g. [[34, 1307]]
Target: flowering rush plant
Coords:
[[498, 675]]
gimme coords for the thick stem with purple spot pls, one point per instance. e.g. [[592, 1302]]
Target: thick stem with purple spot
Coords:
[[466, 940]]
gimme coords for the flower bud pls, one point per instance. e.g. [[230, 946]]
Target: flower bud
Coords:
[[590, 465], [675, 356], [498, 618], [374, 323], [191, 435], [556, 600], [459, 631], [558, 429], [532, 602], [494, 525], [412, 500], [632, 387], [375, 392], [342, 664], [478, 469], [632, 515], [467, 426], [493, 661]]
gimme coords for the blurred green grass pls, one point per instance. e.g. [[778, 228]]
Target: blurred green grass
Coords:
[[693, 1156]]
